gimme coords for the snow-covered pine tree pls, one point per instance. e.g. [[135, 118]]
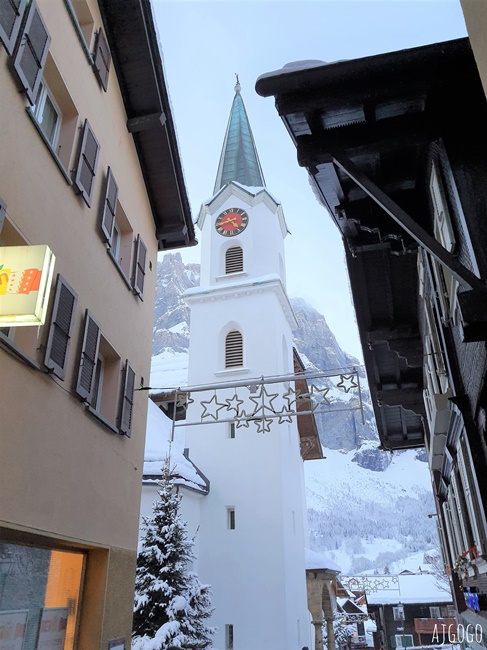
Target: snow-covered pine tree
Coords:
[[171, 605]]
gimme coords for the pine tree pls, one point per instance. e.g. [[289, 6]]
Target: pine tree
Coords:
[[171, 605]]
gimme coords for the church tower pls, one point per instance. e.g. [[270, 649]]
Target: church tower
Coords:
[[251, 539]]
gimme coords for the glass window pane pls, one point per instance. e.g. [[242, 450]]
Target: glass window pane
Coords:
[[49, 120]]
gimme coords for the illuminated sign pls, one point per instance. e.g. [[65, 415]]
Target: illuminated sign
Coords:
[[25, 282]]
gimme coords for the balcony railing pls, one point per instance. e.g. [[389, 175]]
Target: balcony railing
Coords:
[[436, 626]]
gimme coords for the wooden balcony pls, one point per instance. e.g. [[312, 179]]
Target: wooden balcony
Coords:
[[436, 626]]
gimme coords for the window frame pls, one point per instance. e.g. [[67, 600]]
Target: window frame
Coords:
[[231, 350], [398, 613], [37, 109]]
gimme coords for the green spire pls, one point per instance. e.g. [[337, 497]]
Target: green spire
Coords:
[[239, 160]]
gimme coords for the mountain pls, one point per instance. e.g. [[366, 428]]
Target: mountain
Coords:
[[357, 490]]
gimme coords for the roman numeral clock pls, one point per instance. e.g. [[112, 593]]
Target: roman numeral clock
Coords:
[[231, 222]]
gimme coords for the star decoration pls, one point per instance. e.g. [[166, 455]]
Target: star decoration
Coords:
[[347, 382], [184, 400], [233, 404], [263, 425], [284, 416], [260, 401], [316, 401], [298, 397], [243, 420], [211, 408]]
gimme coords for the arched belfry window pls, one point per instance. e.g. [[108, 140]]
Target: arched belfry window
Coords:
[[234, 260], [234, 349]]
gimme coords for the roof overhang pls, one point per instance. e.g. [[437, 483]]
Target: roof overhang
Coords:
[[132, 37], [383, 116]]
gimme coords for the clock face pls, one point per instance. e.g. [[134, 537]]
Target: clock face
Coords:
[[231, 222]]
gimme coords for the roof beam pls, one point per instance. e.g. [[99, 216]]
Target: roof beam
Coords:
[[464, 276]]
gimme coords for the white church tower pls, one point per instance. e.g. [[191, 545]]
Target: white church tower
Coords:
[[251, 539]]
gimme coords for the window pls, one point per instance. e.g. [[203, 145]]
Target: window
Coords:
[[233, 349], [40, 592], [398, 613], [31, 53], [234, 260], [82, 20], [231, 430], [47, 114], [84, 179], [231, 518], [228, 637], [403, 640], [10, 21], [435, 612], [116, 229], [99, 382]]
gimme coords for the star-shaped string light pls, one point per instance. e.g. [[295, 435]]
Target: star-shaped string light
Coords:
[[233, 404], [347, 382], [184, 400], [243, 419], [260, 401], [284, 416], [293, 396], [315, 393], [211, 408], [263, 425]]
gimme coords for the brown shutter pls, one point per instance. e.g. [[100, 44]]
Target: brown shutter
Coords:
[[127, 401], [139, 268], [11, 12], [60, 329], [89, 356], [31, 54], [87, 162], [3, 209], [233, 349], [101, 59], [109, 207]]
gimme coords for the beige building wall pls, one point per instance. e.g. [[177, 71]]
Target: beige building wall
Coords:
[[475, 13], [66, 479]]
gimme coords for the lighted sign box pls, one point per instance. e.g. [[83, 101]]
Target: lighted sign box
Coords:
[[25, 282]]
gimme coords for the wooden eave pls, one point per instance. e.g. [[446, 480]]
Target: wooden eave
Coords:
[[132, 39], [308, 432], [382, 114]]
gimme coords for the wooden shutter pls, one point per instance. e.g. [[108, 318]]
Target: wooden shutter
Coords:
[[3, 209], [89, 356], [233, 350], [87, 162], [139, 268], [11, 13], [101, 59], [234, 260], [109, 207], [31, 54], [60, 329], [127, 401]]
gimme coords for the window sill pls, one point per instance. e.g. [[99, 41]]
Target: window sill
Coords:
[[78, 31], [231, 276], [17, 352], [232, 371], [49, 148], [119, 268], [95, 414]]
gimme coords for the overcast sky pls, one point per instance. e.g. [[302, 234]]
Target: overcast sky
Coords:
[[205, 43]]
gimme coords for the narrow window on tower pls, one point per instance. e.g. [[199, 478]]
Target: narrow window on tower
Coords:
[[228, 637], [231, 518], [234, 260], [231, 430], [234, 349]]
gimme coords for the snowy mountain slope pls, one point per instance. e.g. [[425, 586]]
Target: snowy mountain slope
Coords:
[[355, 495]]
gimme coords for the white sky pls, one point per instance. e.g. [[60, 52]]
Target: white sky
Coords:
[[205, 43]]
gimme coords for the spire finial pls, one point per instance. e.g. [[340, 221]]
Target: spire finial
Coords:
[[237, 85]]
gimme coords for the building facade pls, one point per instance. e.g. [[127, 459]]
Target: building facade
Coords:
[[403, 179], [91, 188]]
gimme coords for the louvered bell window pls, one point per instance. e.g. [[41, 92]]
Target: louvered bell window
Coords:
[[233, 350], [234, 260]]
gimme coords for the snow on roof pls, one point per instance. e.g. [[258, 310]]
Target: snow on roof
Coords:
[[263, 279], [411, 589], [315, 560], [157, 446], [169, 370], [293, 66]]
